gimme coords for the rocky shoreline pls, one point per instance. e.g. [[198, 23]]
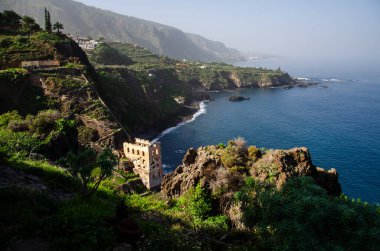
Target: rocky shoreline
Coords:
[[189, 110]]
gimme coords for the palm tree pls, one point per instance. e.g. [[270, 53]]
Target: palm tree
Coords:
[[58, 26]]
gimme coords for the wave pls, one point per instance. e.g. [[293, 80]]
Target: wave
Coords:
[[331, 80], [180, 151], [303, 78], [202, 110]]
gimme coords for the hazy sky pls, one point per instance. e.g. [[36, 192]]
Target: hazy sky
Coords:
[[320, 29]]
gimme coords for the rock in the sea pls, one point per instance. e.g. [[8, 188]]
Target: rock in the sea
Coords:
[[237, 98]]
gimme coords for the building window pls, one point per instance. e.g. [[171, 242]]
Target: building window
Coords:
[[138, 152], [157, 151], [143, 153], [128, 149], [133, 151]]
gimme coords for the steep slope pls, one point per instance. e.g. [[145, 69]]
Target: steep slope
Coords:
[[80, 19]]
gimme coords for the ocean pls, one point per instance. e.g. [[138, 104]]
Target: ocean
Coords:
[[337, 120]]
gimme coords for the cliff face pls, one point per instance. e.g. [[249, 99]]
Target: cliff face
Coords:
[[207, 165]]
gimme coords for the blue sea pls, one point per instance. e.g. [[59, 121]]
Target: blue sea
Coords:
[[337, 120]]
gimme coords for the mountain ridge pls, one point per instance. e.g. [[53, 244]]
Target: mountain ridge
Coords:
[[83, 20]]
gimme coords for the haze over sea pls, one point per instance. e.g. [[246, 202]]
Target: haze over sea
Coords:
[[339, 124]]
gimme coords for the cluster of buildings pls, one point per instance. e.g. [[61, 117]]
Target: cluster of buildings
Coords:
[[86, 43]]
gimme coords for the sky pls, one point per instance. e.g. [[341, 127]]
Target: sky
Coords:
[[318, 29]]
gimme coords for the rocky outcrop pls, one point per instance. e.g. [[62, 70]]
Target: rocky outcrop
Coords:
[[280, 165], [204, 166], [198, 166]]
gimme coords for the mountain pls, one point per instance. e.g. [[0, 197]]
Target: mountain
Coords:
[[83, 20]]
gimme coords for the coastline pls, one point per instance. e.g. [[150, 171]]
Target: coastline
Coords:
[[198, 106]]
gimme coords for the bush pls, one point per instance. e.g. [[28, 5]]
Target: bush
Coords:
[[200, 203], [302, 216], [235, 154], [9, 116], [254, 153], [87, 135], [20, 143], [18, 126], [224, 182], [88, 168], [44, 122], [214, 224]]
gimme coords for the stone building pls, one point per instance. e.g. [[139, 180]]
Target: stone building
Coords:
[[38, 64], [146, 158]]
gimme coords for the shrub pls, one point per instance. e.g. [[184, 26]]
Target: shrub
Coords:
[[235, 154], [44, 121], [9, 116], [20, 143], [200, 203], [302, 216], [18, 126], [82, 165], [254, 153], [150, 203], [225, 181], [87, 135]]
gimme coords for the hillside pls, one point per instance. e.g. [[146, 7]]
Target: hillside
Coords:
[[83, 20], [151, 92], [65, 186]]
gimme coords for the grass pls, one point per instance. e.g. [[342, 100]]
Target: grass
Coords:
[[52, 176]]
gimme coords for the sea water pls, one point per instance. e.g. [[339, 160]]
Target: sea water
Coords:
[[337, 120]]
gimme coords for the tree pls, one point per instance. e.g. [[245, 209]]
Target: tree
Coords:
[[29, 24], [81, 167], [12, 18], [58, 26], [47, 21]]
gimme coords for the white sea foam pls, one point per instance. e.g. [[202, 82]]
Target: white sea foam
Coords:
[[180, 151], [331, 80], [303, 78], [202, 110]]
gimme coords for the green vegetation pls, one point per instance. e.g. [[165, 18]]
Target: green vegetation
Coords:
[[83, 166], [104, 54], [302, 216], [79, 203]]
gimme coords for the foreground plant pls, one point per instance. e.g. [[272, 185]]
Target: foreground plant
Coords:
[[89, 168]]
